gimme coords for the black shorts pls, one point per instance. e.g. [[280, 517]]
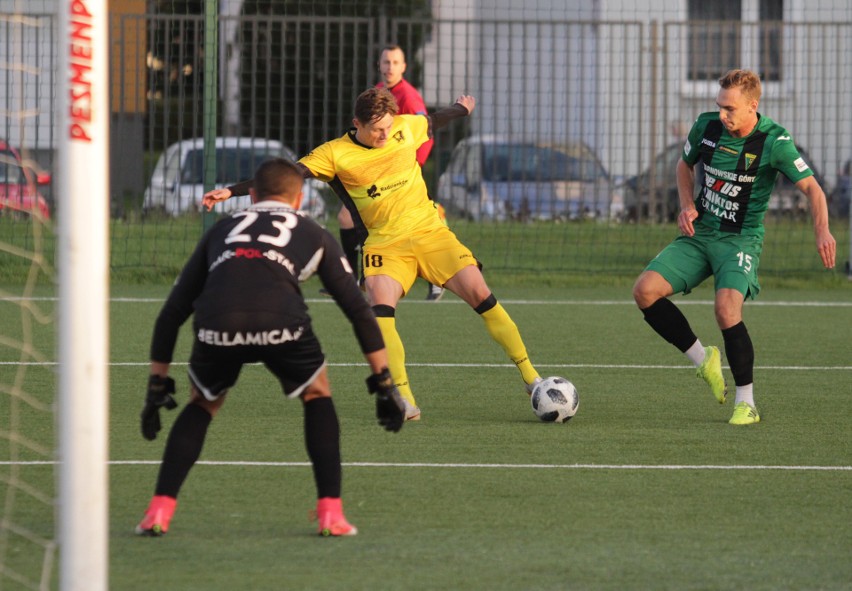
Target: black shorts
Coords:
[[217, 359]]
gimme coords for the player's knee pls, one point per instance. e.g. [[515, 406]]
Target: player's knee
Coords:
[[640, 295], [728, 308], [726, 318], [476, 292], [211, 406], [313, 394], [646, 291], [318, 388]]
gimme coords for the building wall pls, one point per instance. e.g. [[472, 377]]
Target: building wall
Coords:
[[127, 66], [28, 73], [621, 85], [533, 70], [128, 100], [813, 100]]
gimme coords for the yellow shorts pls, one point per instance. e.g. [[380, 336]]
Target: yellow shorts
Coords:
[[435, 256]]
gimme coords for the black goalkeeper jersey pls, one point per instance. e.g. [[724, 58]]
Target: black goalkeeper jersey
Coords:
[[244, 278]]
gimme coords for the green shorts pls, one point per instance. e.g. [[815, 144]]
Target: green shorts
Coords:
[[435, 256], [732, 259]]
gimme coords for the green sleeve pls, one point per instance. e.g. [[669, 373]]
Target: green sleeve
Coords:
[[786, 159], [691, 148]]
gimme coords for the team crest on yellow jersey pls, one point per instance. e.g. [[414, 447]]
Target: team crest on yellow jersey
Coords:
[[399, 137]]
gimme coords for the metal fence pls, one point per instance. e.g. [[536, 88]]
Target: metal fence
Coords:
[[623, 93]]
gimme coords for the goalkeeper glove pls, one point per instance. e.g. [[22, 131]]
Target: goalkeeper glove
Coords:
[[160, 390], [390, 410]]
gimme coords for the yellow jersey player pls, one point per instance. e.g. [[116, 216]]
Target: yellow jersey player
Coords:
[[409, 102], [374, 171]]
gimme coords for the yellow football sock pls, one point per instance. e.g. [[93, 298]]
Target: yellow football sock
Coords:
[[503, 330], [396, 357]]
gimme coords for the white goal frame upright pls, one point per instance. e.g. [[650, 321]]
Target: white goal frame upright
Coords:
[[83, 266]]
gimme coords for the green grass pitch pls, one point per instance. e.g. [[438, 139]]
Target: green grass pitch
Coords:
[[648, 487]]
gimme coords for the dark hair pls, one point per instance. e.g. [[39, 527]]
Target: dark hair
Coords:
[[277, 177], [373, 104], [391, 48], [747, 81]]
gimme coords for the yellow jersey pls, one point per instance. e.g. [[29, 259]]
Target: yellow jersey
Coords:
[[384, 187]]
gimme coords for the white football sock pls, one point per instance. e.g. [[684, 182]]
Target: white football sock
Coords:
[[745, 394], [696, 353]]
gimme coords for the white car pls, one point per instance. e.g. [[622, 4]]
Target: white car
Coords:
[[500, 178], [177, 183]]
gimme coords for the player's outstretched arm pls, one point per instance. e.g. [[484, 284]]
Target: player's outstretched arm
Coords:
[[213, 197], [463, 107], [825, 242], [467, 101]]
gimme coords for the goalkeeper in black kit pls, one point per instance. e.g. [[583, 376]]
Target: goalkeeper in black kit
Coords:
[[242, 285]]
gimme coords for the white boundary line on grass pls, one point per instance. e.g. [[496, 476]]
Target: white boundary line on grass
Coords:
[[481, 365], [478, 466], [685, 302]]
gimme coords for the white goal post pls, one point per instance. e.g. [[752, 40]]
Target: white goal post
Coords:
[[83, 266]]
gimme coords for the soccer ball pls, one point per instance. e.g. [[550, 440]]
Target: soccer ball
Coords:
[[555, 400]]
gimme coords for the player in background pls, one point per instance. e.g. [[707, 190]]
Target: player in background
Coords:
[[739, 153], [409, 102], [373, 170], [242, 284]]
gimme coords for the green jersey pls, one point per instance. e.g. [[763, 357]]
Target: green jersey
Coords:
[[737, 175]]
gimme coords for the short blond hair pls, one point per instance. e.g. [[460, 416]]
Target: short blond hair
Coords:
[[747, 81]]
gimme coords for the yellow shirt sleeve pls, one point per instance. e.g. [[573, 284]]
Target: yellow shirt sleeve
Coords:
[[419, 126], [320, 161]]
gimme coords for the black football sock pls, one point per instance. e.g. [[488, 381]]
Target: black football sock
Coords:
[[183, 448], [322, 439], [670, 323], [740, 353]]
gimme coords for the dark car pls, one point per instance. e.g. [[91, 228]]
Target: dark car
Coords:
[[652, 194], [500, 178]]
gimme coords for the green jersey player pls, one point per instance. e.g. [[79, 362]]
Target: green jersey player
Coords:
[[738, 154]]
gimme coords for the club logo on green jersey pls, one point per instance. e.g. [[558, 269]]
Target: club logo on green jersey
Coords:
[[749, 158]]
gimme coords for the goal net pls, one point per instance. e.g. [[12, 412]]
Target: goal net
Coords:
[[53, 215], [27, 444]]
